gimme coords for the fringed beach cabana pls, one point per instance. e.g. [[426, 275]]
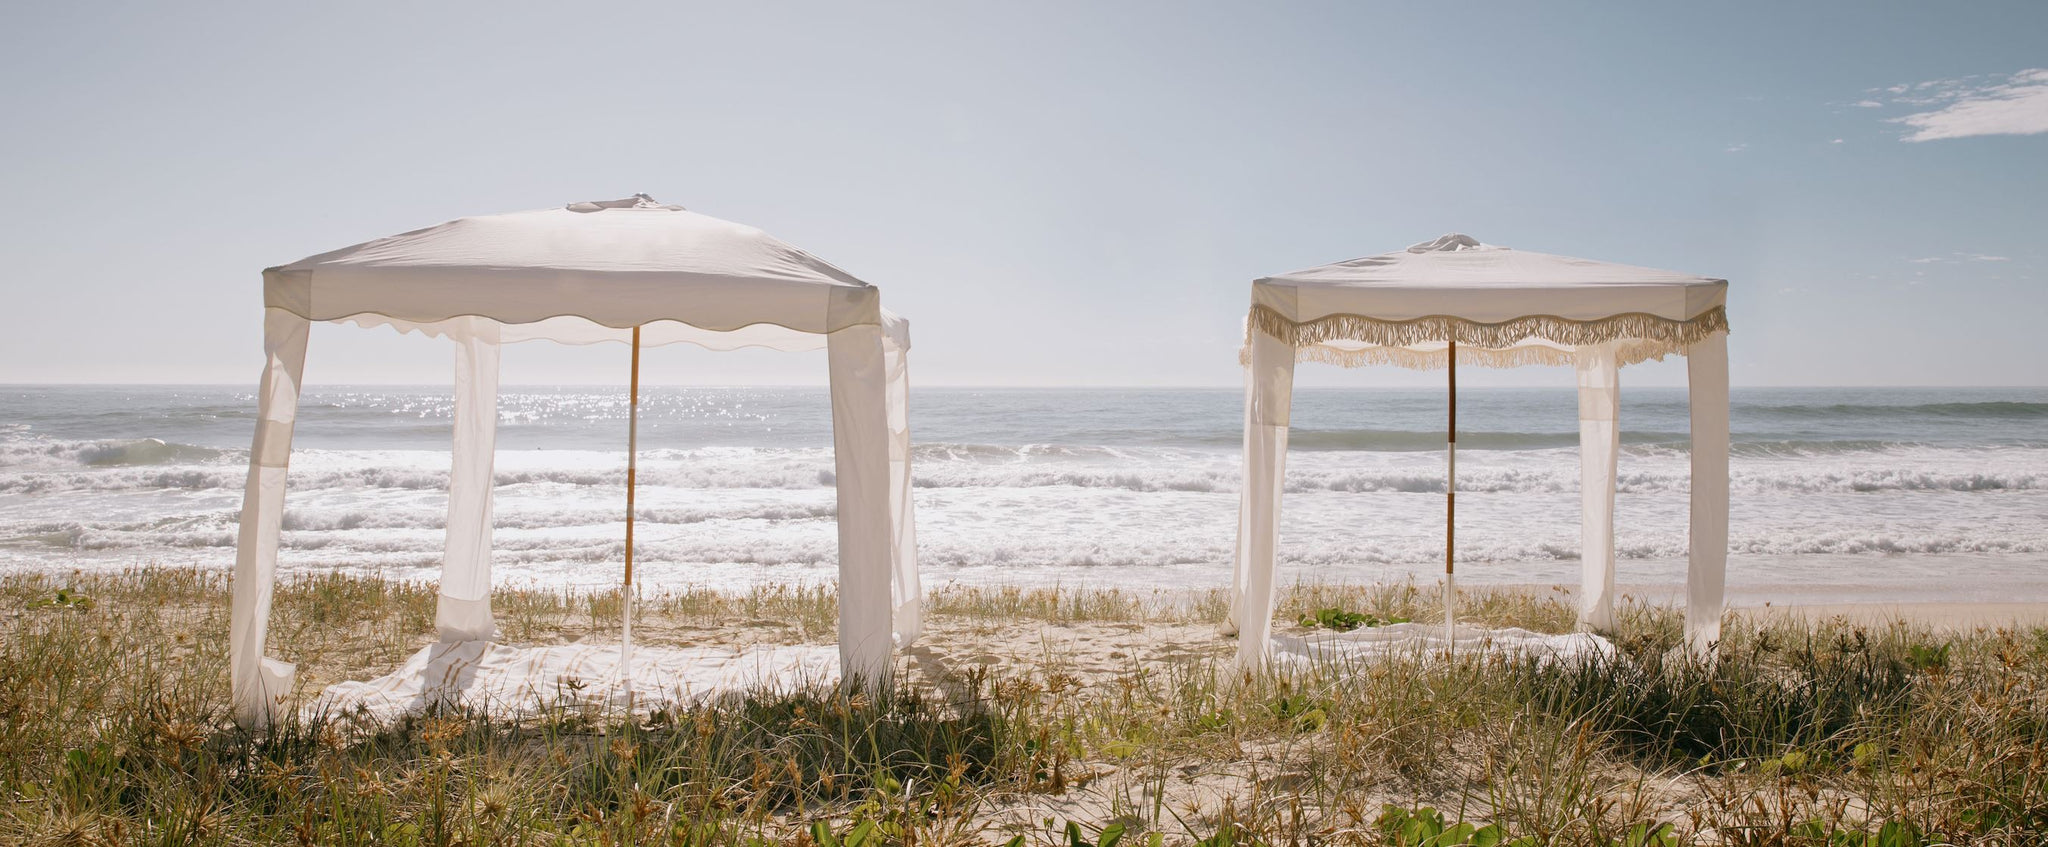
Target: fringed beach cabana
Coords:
[[633, 271], [1456, 301]]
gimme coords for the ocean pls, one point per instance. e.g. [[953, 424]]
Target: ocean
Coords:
[[1839, 494]]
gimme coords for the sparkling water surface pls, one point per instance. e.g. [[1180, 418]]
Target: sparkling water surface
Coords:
[[1839, 494]]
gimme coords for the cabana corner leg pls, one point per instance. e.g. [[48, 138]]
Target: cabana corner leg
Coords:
[[1707, 569], [860, 442], [906, 591], [258, 683], [1599, 446], [463, 612], [1269, 397]]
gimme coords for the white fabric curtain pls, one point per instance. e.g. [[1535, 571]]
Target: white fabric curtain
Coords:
[[1269, 382], [584, 273], [464, 611], [907, 593], [860, 442], [1504, 308], [258, 683], [1270, 393], [1706, 576], [881, 595], [1599, 447]]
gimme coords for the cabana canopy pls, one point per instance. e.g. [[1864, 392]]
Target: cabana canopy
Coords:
[[1496, 307], [623, 270]]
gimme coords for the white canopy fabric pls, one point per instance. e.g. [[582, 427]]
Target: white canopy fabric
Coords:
[[1501, 308], [586, 273]]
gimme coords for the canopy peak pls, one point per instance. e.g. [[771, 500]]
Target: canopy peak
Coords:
[[637, 201], [1451, 243]]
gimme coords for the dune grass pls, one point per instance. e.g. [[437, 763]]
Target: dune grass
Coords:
[[113, 729]]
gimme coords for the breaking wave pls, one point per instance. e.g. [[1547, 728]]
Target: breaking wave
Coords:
[[1994, 410], [1776, 467], [1140, 489], [106, 454]]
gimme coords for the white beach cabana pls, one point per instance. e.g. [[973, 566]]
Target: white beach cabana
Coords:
[[1456, 301], [634, 271]]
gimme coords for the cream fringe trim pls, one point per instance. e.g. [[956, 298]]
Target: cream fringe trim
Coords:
[[1629, 353], [1642, 337]]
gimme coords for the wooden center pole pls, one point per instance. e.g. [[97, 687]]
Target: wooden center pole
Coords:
[[632, 463], [1451, 506]]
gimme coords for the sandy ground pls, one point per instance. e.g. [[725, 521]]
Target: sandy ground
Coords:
[[1086, 655], [1093, 653], [1097, 650], [952, 648]]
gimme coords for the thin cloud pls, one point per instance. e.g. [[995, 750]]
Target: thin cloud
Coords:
[[1954, 258], [1973, 106]]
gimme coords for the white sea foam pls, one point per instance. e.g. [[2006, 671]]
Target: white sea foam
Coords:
[[1068, 497]]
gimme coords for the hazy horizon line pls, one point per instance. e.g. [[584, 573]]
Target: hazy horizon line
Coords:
[[251, 385]]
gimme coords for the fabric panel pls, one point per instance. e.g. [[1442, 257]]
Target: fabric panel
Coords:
[[464, 610], [1707, 571], [906, 591], [290, 290], [860, 441], [1265, 471], [1599, 448], [258, 684]]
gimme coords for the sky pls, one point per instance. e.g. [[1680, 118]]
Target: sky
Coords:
[[1055, 193]]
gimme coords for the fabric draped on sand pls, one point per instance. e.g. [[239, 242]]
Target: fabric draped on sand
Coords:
[[502, 681], [630, 270], [1501, 308], [1426, 641]]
